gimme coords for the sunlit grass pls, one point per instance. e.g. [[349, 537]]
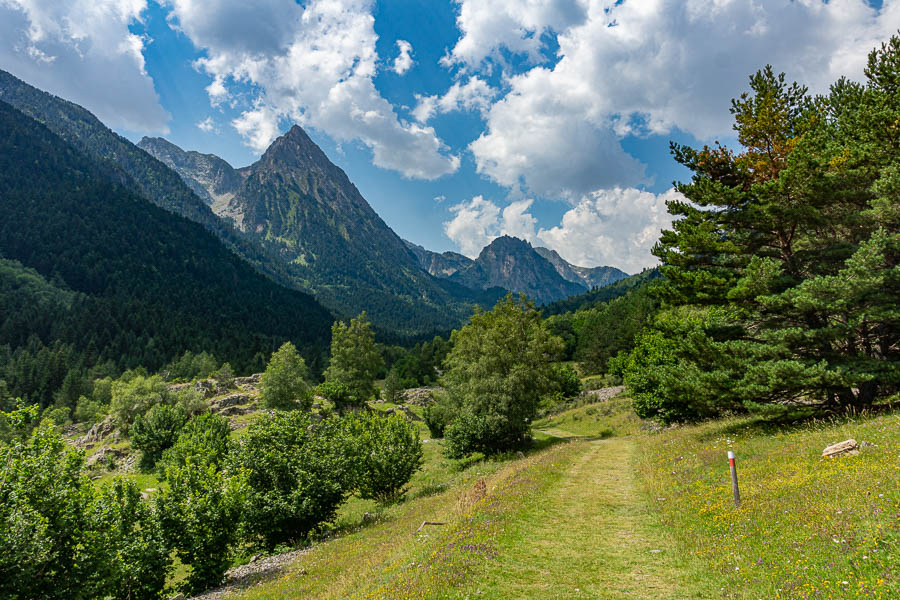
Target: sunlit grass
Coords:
[[808, 527]]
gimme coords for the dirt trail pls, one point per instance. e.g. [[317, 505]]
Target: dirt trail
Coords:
[[590, 536]]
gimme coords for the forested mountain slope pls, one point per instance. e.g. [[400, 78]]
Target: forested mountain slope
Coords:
[[120, 279]]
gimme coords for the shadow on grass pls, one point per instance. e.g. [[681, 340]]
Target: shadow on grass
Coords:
[[800, 419]]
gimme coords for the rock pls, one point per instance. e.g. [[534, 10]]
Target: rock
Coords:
[[251, 382], [206, 388], [230, 400], [865, 444], [409, 413], [98, 432], [233, 411], [845, 448], [421, 396]]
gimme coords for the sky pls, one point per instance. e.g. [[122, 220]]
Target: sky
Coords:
[[458, 120]]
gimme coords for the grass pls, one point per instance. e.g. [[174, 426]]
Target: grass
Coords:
[[587, 535], [613, 418], [808, 527]]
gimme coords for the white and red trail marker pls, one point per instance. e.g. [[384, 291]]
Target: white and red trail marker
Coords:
[[734, 480]]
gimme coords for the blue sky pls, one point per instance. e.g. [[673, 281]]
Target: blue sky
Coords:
[[459, 120]]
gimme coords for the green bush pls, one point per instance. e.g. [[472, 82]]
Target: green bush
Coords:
[[58, 416], [135, 396], [200, 512], [393, 388], [355, 361], [566, 381], [469, 433], [206, 435], [386, 452], [298, 475], [155, 432], [438, 415], [47, 547], [337, 393], [135, 550], [283, 386], [224, 376], [88, 411]]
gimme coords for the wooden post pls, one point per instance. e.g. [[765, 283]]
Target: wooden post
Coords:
[[734, 481]]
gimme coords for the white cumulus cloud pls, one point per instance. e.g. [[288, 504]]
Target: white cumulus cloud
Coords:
[[475, 94], [82, 50], [404, 61], [642, 67], [616, 227], [312, 64]]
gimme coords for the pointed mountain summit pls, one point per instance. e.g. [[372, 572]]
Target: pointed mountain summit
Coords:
[[302, 207], [513, 264]]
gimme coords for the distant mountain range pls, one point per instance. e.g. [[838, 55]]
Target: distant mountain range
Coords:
[[515, 265], [298, 219], [296, 201]]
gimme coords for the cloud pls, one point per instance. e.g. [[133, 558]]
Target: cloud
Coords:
[[473, 226], [616, 227], [313, 65], [476, 94], [404, 60], [516, 25], [638, 67], [207, 125], [476, 223], [82, 50]]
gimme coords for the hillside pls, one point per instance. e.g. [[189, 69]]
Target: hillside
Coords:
[[601, 295], [119, 279], [300, 206]]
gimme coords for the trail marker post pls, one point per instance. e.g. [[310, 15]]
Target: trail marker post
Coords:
[[734, 481]]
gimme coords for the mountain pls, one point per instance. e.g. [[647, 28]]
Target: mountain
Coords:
[[211, 178], [590, 277], [297, 204], [514, 265], [115, 278], [439, 265], [120, 162]]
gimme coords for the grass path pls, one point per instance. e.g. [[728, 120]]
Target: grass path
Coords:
[[589, 536]]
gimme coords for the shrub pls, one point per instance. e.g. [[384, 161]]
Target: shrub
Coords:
[[155, 432], [355, 360], [88, 411], [337, 393], [136, 553], [200, 513], [469, 433], [135, 396], [224, 376], [438, 415], [206, 435], [58, 416], [386, 452], [566, 381], [283, 386], [393, 388], [298, 475]]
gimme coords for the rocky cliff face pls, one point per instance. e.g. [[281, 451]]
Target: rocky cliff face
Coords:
[[513, 264], [590, 277], [211, 178], [441, 265]]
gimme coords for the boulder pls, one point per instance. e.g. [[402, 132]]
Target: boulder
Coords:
[[251, 382], [845, 448], [98, 432]]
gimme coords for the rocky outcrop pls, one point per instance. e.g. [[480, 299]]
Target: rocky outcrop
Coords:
[[420, 396]]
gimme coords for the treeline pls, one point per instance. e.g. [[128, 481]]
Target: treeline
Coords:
[[781, 290], [97, 280]]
